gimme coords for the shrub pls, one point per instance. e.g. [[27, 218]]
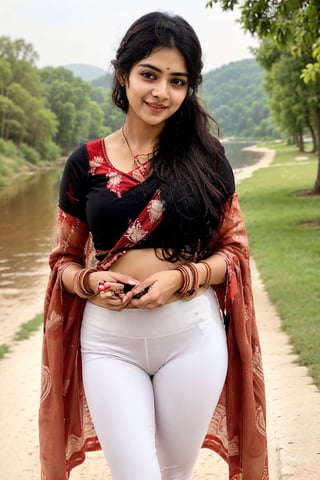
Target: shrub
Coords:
[[9, 149], [4, 170], [30, 154], [49, 151]]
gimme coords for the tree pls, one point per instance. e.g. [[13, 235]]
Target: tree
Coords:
[[311, 72], [66, 114], [42, 124], [17, 50], [293, 26], [5, 75], [96, 129], [80, 117], [113, 116], [24, 118], [284, 20], [293, 103], [18, 116]]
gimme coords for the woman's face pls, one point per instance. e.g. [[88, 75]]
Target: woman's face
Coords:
[[157, 86]]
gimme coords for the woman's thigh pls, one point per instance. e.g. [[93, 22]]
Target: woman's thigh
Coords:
[[121, 404], [186, 391]]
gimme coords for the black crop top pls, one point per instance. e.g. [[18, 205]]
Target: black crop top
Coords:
[[94, 191]]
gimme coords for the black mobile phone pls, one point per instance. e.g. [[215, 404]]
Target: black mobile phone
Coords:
[[127, 287]]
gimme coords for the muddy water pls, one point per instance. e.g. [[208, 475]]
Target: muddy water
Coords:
[[27, 218]]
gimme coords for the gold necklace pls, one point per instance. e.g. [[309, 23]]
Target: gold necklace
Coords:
[[135, 157]]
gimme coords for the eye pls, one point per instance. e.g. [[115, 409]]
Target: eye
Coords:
[[148, 75], [178, 82]]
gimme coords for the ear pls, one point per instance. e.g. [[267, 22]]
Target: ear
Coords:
[[121, 78]]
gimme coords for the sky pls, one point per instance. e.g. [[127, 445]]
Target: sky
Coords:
[[89, 31]]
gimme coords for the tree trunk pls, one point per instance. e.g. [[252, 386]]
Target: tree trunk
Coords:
[[313, 137], [316, 188], [2, 128], [300, 142]]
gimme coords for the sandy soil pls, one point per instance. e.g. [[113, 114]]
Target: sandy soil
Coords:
[[293, 401]]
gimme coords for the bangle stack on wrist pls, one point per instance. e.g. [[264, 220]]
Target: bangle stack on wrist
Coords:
[[190, 285], [81, 283], [206, 284]]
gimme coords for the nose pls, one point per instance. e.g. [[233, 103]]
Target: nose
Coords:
[[160, 90]]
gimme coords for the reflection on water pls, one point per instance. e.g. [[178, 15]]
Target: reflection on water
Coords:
[[28, 210], [239, 157]]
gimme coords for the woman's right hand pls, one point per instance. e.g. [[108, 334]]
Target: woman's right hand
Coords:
[[110, 282], [110, 288]]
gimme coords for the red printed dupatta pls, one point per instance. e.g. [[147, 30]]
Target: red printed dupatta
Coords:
[[238, 427]]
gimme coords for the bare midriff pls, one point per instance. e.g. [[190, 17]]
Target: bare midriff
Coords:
[[140, 264]]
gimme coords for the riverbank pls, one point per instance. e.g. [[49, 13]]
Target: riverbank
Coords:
[[293, 426]]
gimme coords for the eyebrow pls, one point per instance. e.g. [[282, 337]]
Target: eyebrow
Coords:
[[156, 69]]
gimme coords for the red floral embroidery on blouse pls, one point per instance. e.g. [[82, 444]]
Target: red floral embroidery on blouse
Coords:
[[117, 182]]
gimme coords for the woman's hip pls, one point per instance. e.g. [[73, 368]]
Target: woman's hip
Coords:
[[168, 319]]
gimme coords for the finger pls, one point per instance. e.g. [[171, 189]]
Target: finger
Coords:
[[103, 286], [114, 308], [147, 301], [106, 294], [113, 302], [126, 299], [112, 290], [140, 290]]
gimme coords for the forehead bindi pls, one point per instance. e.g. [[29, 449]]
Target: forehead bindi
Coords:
[[168, 60]]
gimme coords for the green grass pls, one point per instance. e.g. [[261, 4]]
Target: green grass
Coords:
[[4, 349], [286, 247], [27, 328], [24, 332]]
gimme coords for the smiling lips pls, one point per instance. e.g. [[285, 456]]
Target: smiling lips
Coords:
[[156, 106]]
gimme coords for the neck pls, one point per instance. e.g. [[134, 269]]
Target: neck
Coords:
[[141, 136], [139, 155]]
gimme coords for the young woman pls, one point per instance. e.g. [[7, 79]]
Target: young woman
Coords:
[[158, 376]]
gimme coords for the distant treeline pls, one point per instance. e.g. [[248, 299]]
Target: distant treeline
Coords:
[[48, 112]]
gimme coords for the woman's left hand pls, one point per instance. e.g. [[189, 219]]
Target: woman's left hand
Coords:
[[154, 291]]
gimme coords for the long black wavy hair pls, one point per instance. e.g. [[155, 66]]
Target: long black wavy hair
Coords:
[[190, 160]]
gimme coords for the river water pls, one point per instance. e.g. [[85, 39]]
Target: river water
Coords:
[[28, 211]]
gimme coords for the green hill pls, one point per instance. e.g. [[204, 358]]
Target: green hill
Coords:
[[235, 97], [85, 71]]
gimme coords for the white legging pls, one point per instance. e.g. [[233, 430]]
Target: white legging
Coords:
[[152, 380]]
